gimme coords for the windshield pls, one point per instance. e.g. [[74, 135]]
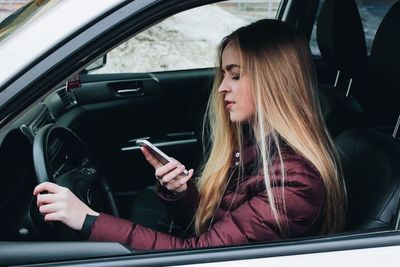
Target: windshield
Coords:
[[15, 13]]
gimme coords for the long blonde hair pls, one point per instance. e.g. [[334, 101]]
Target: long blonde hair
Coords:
[[276, 60]]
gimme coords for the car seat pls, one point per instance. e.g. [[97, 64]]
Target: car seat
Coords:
[[371, 168], [381, 99], [371, 157], [340, 37]]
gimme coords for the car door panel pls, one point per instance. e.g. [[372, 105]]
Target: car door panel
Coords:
[[21, 253], [117, 109], [108, 87], [366, 249]]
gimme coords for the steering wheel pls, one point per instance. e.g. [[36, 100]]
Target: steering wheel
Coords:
[[61, 157]]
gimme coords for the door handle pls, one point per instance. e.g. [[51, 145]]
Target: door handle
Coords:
[[127, 88], [128, 91]]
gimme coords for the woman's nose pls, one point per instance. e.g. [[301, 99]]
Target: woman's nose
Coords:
[[224, 87]]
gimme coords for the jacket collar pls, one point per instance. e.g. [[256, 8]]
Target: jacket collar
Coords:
[[249, 154]]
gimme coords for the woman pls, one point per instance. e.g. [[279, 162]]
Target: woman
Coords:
[[271, 172]]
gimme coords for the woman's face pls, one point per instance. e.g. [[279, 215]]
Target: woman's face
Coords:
[[235, 88]]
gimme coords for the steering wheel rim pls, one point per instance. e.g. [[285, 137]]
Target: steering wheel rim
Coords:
[[85, 180]]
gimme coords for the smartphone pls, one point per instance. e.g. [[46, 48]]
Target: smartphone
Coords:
[[161, 156]]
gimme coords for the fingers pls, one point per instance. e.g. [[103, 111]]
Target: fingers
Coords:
[[179, 184], [47, 187], [49, 208], [55, 216], [61, 205], [43, 199], [170, 174], [52, 202], [167, 168], [166, 178], [186, 178]]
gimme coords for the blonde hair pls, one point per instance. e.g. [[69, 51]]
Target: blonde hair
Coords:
[[276, 60]]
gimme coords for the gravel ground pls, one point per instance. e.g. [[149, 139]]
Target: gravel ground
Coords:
[[178, 42]]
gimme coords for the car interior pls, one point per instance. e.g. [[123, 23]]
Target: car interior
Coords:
[[89, 130], [365, 140]]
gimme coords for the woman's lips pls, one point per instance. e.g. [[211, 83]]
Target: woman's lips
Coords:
[[229, 104]]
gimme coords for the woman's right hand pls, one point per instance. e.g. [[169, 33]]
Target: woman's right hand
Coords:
[[169, 175]]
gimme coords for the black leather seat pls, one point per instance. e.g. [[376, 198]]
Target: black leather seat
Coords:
[[381, 99], [341, 40], [371, 157], [340, 113], [371, 168]]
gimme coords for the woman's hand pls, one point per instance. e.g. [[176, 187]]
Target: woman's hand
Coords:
[[169, 175], [60, 204]]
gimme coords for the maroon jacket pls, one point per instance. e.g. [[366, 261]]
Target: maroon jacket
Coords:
[[244, 214]]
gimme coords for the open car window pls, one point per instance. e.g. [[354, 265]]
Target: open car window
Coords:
[[187, 40]]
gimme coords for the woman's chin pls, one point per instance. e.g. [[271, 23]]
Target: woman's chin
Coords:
[[235, 118], [232, 117]]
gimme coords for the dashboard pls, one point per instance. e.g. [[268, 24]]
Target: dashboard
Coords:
[[62, 159], [16, 162]]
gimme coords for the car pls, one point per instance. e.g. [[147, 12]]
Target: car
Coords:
[[81, 81]]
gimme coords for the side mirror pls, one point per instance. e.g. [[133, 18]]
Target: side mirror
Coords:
[[95, 65]]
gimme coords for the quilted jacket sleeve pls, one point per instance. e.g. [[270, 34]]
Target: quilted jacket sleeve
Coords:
[[182, 207], [228, 231], [250, 222]]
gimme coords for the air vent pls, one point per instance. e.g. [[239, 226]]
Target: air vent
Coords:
[[67, 98]]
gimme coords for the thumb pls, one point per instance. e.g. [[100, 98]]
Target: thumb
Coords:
[[150, 158], [47, 187]]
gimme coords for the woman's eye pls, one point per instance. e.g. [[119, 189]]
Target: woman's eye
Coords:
[[235, 77]]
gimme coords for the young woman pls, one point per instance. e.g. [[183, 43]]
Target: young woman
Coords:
[[271, 172]]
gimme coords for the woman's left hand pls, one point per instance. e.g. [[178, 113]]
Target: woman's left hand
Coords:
[[57, 203]]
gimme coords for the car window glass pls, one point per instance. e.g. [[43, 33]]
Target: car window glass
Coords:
[[371, 13], [187, 40]]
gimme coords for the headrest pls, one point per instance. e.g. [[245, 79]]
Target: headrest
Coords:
[[385, 62], [339, 112], [340, 37]]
